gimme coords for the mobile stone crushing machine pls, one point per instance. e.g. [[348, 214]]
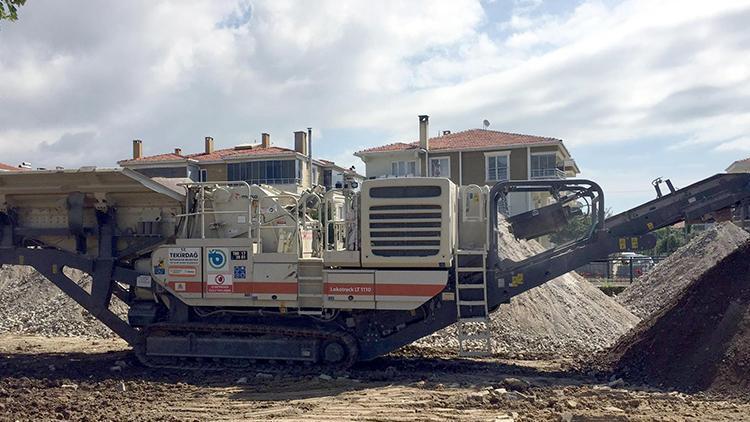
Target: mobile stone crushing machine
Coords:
[[229, 273]]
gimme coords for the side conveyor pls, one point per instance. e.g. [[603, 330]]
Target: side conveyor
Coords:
[[707, 200]]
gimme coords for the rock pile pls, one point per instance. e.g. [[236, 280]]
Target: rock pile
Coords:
[[651, 292], [700, 339], [566, 317], [31, 304]]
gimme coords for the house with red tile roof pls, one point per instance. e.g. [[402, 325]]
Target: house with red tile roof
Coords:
[[6, 167], [263, 163], [739, 166], [474, 156]]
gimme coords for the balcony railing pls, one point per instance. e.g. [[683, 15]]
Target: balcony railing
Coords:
[[279, 181], [547, 173]]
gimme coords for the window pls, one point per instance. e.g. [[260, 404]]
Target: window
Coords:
[[440, 167], [203, 175], [270, 172], [497, 166], [403, 168], [544, 165]]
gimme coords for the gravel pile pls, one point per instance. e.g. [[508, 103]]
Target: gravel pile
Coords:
[[652, 291], [566, 317], [31, 304], [700, 339]]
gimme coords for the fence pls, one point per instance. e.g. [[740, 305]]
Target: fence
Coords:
[[622, 269]]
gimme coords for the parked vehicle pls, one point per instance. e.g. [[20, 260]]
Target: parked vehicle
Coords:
[[630, 264]]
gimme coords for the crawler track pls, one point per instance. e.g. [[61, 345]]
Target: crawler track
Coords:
[[199, 361]]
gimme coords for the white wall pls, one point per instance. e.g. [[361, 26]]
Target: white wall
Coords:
[[380, 165]]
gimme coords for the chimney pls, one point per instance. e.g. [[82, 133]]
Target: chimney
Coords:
[[265, 140], [137, 149], [209, 145], [178, 151], [424, 131], [300, 142]]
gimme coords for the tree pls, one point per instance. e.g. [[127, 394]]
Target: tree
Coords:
[[9, 9], [578, 226], [668, 240]]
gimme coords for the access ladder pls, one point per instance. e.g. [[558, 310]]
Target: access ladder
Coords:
[[473, 327]]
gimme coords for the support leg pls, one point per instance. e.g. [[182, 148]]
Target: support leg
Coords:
[[106, 316]]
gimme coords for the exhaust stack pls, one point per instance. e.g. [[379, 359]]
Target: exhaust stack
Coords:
[[137, 149], [424, 131]]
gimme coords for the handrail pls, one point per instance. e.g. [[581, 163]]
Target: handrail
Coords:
[[326, 202], [547, 173]]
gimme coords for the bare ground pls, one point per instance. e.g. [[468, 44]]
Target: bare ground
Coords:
[[70, 379]]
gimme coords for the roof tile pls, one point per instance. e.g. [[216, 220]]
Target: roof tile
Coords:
[[219, 154], [6, 167], [468, 139], [231, 153], [154, 158]]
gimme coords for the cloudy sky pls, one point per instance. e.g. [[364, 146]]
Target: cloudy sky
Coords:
[[636, 89]]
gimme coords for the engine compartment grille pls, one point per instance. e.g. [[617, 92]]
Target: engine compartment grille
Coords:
[[405, 230]]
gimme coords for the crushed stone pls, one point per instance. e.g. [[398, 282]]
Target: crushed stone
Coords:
[[566, 317], [652, 291], [31, 304]]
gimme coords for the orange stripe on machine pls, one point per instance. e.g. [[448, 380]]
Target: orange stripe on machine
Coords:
[[251, 287], [390, 289], [405, 285], [405, 289], [279, 287]]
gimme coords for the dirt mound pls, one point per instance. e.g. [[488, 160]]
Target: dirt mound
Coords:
[[31, 304], [700, 340], [655, 289], [565, 317]]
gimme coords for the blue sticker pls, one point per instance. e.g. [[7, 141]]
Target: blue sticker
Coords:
[[217, 258], [159, 270], [240, 272]]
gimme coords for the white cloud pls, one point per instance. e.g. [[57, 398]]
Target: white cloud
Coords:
[[738, 144], [171, 72]]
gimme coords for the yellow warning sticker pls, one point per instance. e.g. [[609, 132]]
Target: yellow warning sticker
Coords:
[[623, 244], [516, 280], [634, 242], [650, 226]]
